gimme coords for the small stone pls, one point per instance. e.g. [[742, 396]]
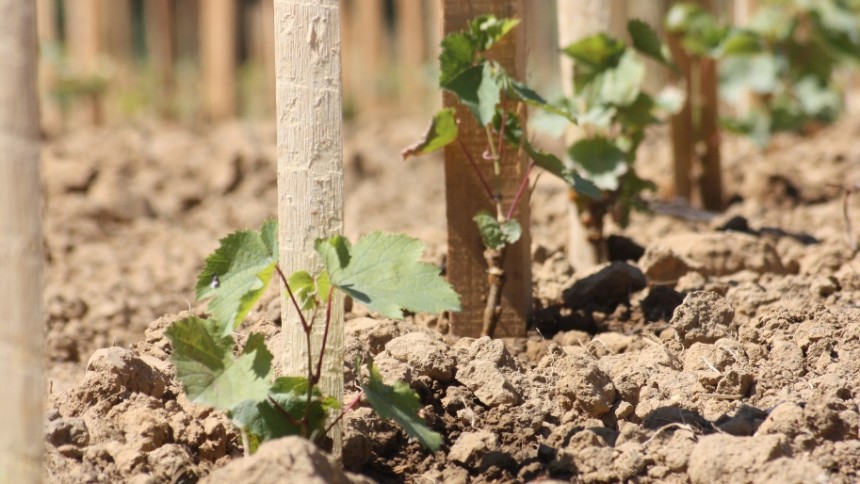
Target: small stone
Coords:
[[488, 383], [703, 317], [470, 447]]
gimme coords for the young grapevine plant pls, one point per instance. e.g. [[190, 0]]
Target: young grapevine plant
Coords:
[[614, 111], [382, 271], [787, 58], [496, 101]]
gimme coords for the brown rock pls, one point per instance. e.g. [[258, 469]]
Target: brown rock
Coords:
[[721, 458], [703, 317], [291, 458]]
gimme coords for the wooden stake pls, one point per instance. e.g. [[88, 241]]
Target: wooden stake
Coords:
[[467, 270], [161, 47], [711, 182], [577, 20], [268, 14], [218, 58], [84, 47], [411, 50], [22, 332], [683, 128], [310, 168], [369, 45], [49, 48]]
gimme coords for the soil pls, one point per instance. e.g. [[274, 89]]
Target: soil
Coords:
[[725, 348]]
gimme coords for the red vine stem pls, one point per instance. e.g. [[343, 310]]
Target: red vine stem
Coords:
[[487, 190], [325, 335], [343, 412], [305, 325], [520, 191]]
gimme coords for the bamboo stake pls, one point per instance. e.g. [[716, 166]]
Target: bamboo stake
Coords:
[[22, 329], [467, 270], [310, 167]]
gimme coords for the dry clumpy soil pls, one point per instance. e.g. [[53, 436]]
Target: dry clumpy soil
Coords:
[[717, 348]]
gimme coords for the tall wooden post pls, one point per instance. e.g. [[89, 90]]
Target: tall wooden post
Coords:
[[683, 126], [218, 57], [711, 181], [369, 51], [161, 49], [411, 49], [84, 46], [22, 332], [268, 25], [310, 167], [690, 136], [466, 266], [577, 20], [49, 46]]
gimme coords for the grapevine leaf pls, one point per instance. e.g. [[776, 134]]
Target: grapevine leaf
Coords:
[[208, 370], [264, 420], [478, 89], [303, 288], [646, 41], [601, 160], [521, 92], [442, 131], [742, 42], [486, 30], [237, 274], [592, 56], [383, 272], [400, 403], [457, 55], [639, 114], [618, 86], [555, 166], [496, 235]]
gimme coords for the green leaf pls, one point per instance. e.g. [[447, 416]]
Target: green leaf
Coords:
[[309, 292], [486, 30], [619, 86], [756, 73], [639, 114], [742, 43], [442, 131], [383, 272], [209, 372], [601, 160], [457, 55], [264, 420], [598, 52], [478, 89], [646, 41], [521, 92], [497, 235], [400, 403], [555, 166], [237, 274]]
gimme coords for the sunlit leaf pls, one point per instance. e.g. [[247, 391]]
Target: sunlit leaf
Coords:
[[209, 372], [237, 274], [400, 403], [384, 272], [442, 131]]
